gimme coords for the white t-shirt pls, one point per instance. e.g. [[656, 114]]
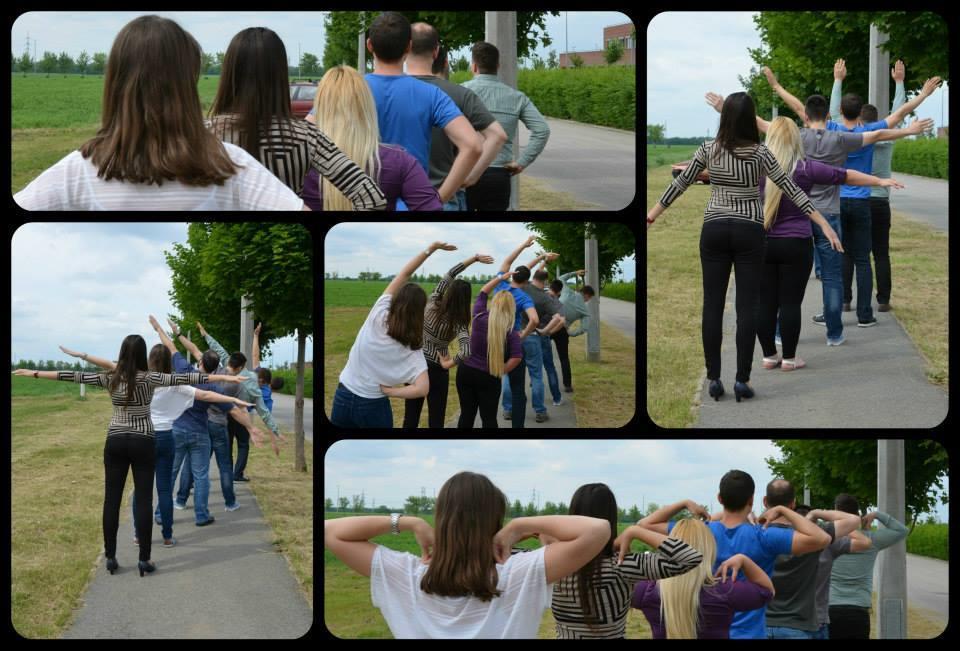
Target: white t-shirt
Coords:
[[169, 403], [73, 184], [377, 358], [411, 613]]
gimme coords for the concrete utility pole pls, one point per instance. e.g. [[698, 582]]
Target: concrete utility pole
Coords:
[[591, 259], [362, 52], [500, 28], [246, 330], [879, 85], [892, 562], [806, 495]]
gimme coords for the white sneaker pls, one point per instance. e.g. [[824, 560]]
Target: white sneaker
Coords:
[[557, 404], [836, 342], [232, 508], [178, 507]]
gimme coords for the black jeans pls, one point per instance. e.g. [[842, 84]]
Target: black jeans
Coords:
[[857, 236], [436, 400], [121, 452], [880, 231], [786, 269], [849, 623], [518, 394], [242, 436], [477, 391], [562, 340], [491, 192], [726, 242]]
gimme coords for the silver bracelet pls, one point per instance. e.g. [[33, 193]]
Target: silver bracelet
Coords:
[[395, 523], [427, 252]]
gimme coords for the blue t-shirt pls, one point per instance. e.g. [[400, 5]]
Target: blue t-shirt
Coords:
[[860, 160], [760, 545], [194, 419], [407, 111], [520, 297], [267, 394]]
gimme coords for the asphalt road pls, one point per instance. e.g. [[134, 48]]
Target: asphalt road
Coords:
[[622, 315], [595, 164], [283, 413], [927, 585], [922, 199]]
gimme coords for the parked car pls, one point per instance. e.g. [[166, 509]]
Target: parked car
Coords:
[[301, 97], [677, 170]]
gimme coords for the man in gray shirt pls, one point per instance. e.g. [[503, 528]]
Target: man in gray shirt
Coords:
[[547, 307]]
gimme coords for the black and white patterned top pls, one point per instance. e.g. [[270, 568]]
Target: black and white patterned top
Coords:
[[735, 181], [437, 333], [133, 417], [614, 589], [291, 147]]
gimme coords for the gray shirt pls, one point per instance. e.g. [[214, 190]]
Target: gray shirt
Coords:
[[837, 548], [542, 302], [794, 580], [510, 106], [215, 414], [830, 147]]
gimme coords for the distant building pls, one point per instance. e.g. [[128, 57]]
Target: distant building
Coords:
[[622, 33], [943, 132]]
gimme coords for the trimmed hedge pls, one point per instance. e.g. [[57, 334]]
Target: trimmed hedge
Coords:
[[923, 157], [930, 540], [290, 381], [621, 291]]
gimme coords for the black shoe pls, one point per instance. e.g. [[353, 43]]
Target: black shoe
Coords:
[[819, 319], [867, 324], [241, 478], [742, 390], [145, 566], [568, 389], [847, 308], [210, 521], [540, 418], [883, 307], [112, 565], [716, 389]]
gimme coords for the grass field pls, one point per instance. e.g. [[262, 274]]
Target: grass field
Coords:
[[658, 155], [930, 540], [57, 502]]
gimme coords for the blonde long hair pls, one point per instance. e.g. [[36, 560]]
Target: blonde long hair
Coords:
[[345, 111], [783, 141], [502, 314], [680, 595]]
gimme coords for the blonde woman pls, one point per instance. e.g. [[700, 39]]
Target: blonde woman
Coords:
[[789, 253], [495, 350], [344, 110], [700, 604]]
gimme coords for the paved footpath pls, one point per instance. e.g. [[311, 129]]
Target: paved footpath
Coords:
[[875, 379], [622, 315], [927, 586], [922, 199], [283, 414], [224, 580]]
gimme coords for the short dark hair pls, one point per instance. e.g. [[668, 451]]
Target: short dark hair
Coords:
[[588, 290], [868, 113], [847, 503], [803, 509], [780, 493], [264, 375], [541, 276], [425, 38], [850, 105], [520, 275], [557, 285], [736, 489], [277, 383], [210, 361], [389, 35], [487, 57], [237, 360], [816, 108]]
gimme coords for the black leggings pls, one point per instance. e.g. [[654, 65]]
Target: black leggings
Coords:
[[849, 623], [562, 341], [726, 242], [436, 400], [477, 391], [120, 452], [786, 270]]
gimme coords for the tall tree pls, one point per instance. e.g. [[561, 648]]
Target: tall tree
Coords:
[[343, 503], [25, 63], [530, 510], [328, 504], [613, 52], [99, 62], [830, 467], [206, 62], [614, 242], [64, 63], [83, 60], [655, 133], [516, 510], [309, 64], [48, 63], [552, 59], [576, 60], [358, 503]]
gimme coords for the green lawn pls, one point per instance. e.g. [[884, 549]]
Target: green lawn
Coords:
[[931, 540], [658, 155]]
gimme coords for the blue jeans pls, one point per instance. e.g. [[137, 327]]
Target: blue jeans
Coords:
[[822, 634], [786, 633], [533, 358], [196, 447], [458, 203], [857, 243], [221, 447], [831, 276], [816, 259], [164, 446], [350, 410], [546, 350]]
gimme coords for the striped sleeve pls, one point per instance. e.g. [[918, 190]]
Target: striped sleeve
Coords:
[[346, 176], [441, 287], [463, 341], [673, 557], [96, 379], [776, 174], [689, 175], [173, 379]]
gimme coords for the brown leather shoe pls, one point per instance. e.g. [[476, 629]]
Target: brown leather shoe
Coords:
[[847, 308], [883, 307]]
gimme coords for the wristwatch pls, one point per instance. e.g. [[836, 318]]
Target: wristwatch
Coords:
[[395, 523]]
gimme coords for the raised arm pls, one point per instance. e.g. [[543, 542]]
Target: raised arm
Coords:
[[657, 521], [839, 74], [673, 556], [349, 538], [843, 522], [716, 101], [187, 344], [255, 353], [680, 184], [807, 537], [898, 72], [894, 530], [795, 104], [859, 542], [505, 266], [543, 258], [577, 539], [164, 339], [214, 345], [496, 280], [928, 89], [99, 361], [404, 274]]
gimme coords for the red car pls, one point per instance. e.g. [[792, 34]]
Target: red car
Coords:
[[677, 170], [301, 97]]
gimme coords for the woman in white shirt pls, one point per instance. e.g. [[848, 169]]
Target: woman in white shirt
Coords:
[[466, 583], [152, 151], [388, 351]]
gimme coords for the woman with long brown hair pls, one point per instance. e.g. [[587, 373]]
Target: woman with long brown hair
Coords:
[[152, 151], [252, 110], [466, 583]]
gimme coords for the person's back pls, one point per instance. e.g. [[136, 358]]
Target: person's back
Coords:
[[718, 604], [830, 147], [795, 581], [851, 579]]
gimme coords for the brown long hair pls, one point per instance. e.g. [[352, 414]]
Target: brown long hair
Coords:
[[454, 309], [595, 501], [405, 318], [469, 512], [159, 360], [152, 126], [738, 124], [131, 361]]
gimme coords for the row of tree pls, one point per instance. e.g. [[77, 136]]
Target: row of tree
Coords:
[[61, 63], [50, 365], [416, 278]]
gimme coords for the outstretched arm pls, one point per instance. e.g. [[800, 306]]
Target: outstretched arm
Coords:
[[859, 178], [404, 274], [928, 89], [99, 361], [496, 280], [915, 128], [164, 339], [795, 104], [716, 101], [543, 257], [214, 345], [505, 266]]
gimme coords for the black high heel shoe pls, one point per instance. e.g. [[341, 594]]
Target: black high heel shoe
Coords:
[[112, 565], [742, 390], [716, 389], [145, 566]]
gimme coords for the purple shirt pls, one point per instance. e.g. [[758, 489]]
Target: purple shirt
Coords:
[[401, 177], [718, 603], [478, 338], [791, 221]]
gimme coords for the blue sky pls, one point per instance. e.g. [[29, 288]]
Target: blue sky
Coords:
[[386, 247], [679, 75], [637, 471], [87, 286]]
